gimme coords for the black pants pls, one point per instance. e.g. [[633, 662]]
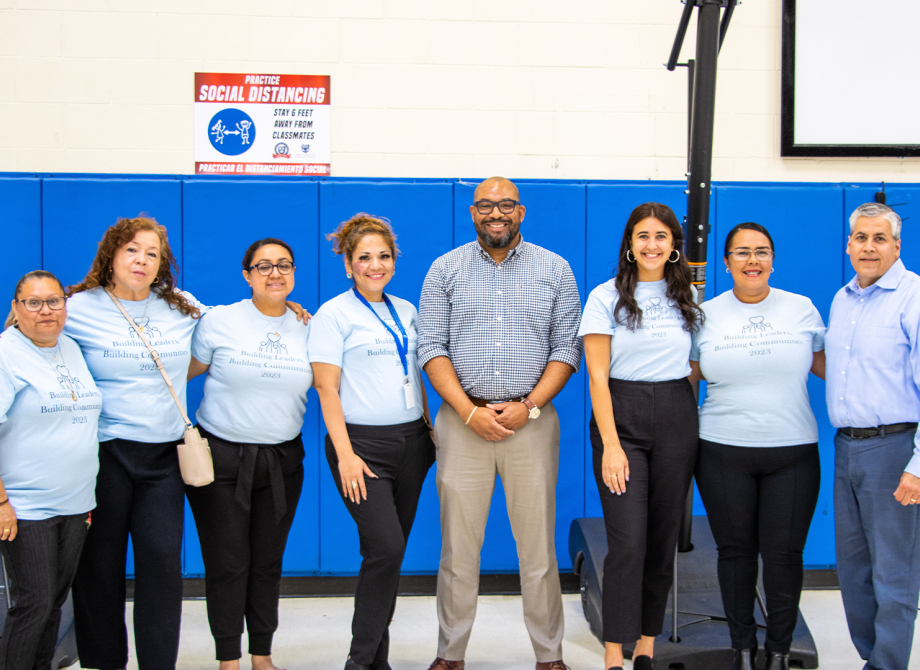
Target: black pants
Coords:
[[139, 490], [760, 500], [243, 520], [40, 563], [657, 423], [400, 456]]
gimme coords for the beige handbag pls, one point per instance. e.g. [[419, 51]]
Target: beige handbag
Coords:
[[194, 453]]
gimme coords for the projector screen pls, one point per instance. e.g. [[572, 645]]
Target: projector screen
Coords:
[[850, 78]]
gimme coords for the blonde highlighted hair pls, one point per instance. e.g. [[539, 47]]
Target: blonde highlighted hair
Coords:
[[346, 237]]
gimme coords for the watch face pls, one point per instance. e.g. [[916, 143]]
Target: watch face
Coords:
[[534, 413]]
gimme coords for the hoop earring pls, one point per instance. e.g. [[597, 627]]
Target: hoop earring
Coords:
[[393, 274], [674, 251], [348, 275], [156, 281], [728, 271], [772, 270], [629, 251]]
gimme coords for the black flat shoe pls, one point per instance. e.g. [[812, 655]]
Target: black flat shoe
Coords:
[[643, 662], [615, 667], [354, 665], [744, 659], [777, 662]]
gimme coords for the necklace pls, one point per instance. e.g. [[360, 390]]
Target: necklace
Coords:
[[280, 325], [57, 349]]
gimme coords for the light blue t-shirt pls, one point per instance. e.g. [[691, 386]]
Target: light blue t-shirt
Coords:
[[257, 385], [49, 452], [657, 351], [345, 333], [756, 359], [137, 404]]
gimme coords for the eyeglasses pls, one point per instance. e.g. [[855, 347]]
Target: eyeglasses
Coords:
[[506, 206], [745, 254], [265, 269], [35, 305]]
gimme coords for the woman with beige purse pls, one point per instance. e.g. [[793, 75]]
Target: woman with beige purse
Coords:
[[255, 355], [139, 489]]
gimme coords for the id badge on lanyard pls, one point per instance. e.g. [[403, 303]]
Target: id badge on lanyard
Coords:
[[401, 347]]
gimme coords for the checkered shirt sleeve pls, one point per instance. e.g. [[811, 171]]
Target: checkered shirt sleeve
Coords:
[[500, 324]]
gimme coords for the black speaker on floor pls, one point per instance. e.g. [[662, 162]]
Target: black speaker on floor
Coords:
[[702, 639], [65, 654]]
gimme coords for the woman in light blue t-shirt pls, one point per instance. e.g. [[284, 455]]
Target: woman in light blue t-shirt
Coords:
[[363, 347], [636, 329], [255, 355], [49, 410], [139, 490], [758, 469]]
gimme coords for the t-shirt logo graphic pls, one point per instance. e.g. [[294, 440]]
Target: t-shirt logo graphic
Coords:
[[653, 309], [272, 344], [65, 377], [756, 325], [143, 322]]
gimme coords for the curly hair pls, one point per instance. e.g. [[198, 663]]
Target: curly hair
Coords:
[[676, 274], [164, 286], [349, 233]]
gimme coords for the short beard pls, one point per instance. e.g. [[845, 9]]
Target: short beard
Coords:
[[500, 243]]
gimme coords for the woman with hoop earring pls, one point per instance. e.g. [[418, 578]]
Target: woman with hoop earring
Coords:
[[637, 333]]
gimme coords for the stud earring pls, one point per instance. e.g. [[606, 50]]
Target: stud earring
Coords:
[[348, 275]]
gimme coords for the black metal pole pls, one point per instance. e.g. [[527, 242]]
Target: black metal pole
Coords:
[[702, 124]]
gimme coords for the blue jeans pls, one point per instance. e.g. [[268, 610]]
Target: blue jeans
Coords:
[[878, 547]]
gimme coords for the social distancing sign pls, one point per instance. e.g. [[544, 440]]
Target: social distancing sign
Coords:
[[262, 124]]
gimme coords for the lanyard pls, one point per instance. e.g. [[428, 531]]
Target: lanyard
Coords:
[[402, 348]]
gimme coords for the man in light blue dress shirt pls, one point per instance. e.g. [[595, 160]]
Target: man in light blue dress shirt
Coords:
[[873, 398]]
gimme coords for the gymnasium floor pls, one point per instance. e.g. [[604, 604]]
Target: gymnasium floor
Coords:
[[314, 635]]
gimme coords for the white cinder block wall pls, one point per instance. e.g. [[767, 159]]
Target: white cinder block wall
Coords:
[[420, 88]]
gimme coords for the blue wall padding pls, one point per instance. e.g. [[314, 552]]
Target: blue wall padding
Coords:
[[55, 223], [76, 212], [21, 214]]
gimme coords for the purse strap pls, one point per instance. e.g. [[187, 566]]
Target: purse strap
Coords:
[[153, 354]]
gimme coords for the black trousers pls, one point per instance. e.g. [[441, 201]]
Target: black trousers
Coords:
[[40, 563], [760, 500], [658, 424], [400, 456], [139, 490], [243, 519]]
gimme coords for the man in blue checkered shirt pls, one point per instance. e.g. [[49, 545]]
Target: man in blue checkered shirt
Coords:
[[497, 336]]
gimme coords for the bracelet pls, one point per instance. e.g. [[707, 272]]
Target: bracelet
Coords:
[[4, 501], [475, 407]]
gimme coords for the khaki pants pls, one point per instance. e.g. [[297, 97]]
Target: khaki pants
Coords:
[[528, 463]]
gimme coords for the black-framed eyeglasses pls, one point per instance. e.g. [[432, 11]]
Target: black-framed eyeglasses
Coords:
[[265, 269], [35, 305], [485, 207], [744, 254]]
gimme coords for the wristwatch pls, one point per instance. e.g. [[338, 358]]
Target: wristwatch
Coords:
[[533, 411]]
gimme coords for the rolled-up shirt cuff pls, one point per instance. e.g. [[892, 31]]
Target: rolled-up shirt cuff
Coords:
[[430, 352], [913, 465], [570, 356]]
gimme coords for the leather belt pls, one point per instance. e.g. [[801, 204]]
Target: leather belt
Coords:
[[479, 402], [890, 429]]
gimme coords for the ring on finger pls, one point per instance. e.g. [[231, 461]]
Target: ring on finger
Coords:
[[354, 485]]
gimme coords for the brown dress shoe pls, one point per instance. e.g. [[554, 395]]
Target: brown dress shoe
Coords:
[[553, 665], [441, 664]]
